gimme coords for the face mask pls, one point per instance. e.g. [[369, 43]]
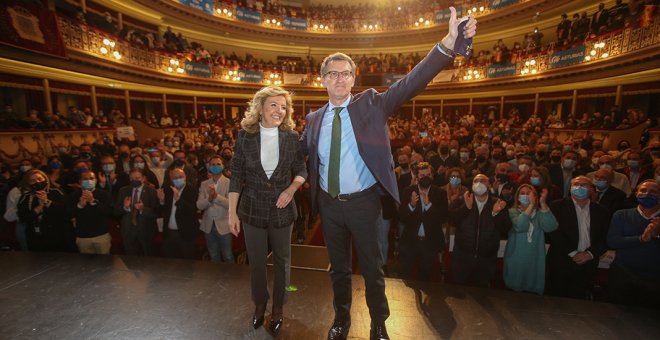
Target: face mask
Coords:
[[497, 156], [123, 155], [555, 158], [540, 154], [84, 155], [535, 181], [509, 153], [569, 163], [568, 148], [155, 160], [179, 182], [425, 182], [594, 161], [25, 168], [62, 150], [453, 152], [579, 192], [135, 183], [455, 181], [139, 165], [523, 200], [107, 168], [479, 189], [81, 170], [88, 184], [481, 159], [647, 200], [226, 157], [606, 166], [215, 169], [523, 167], [633, 163], [55, 165], [464, 155], [600, 184], [503, 177], [179, 162], [38, 186], [444, 150]]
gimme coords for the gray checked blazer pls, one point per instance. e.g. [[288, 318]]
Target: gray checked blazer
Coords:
[[259, 194]]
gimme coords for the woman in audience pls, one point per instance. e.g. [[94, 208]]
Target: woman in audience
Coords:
[[539, 178], [524, 257], [140, 162]]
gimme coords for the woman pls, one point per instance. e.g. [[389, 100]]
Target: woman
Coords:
[[266, 154], [539, 178], [140, 162], [454, 187], [43, 210], [524, 257]]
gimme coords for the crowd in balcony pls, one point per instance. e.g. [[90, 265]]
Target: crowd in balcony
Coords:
[[73, 118]]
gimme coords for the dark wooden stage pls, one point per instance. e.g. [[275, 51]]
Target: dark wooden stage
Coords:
[[71, 296]]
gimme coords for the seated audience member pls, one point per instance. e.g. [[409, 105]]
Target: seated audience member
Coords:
[[578, 242], [637, 170], [539, 178], [634, 276], [620, 181], [91, 209], [137, 209], [562, 174], [524, 257], [480, 222], [607, 195], [47, 221], [179, 210], [423, 210], [213, 201]]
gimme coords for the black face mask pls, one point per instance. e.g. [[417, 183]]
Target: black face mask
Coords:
[[497, 156], [540, 154], [425, 182], [503, 177], [481, 159], [136, 183], [179, 162], [404, 166], [444, 150], [555, 158], [123, 155], [226, 157], [38, 186]]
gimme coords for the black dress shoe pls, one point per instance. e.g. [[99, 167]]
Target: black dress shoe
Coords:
[[339, 330], [276, 320], [258, 317], [378, 332]]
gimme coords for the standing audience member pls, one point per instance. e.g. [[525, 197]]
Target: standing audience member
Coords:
[[91, 209], [524, 257], [634, 276], [480, 223], [213, 200], [137, 210], [578, 242], [180, 224]]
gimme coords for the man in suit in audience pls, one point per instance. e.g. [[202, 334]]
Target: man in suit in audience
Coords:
[[578, 242], [109, 179], [423, 210], [180, 224], [607, 195], [619, 180], [562, 174], [137, 209]]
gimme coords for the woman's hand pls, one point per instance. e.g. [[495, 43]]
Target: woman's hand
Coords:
[[285, 198], [234, 224]]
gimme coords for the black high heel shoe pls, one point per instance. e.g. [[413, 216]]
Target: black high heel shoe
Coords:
[[276, 321], [258, 317]]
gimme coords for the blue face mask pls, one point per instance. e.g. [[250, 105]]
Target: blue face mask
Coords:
[[600, 184], [88, 184], [55, 165], [647, 200], [535, 181], [215, 169], [455, 181], [179, 182], [108, 168], [523, 199], [579, 192]]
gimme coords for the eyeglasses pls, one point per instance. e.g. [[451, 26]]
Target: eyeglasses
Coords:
[[334, 75]]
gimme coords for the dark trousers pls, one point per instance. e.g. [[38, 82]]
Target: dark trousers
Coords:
[[417, 251], [137, 240], [629, 288], [256, 242], [355, 219], [175, 246], [472, 271], [568, 279]]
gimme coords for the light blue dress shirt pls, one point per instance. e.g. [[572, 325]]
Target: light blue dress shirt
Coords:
[[354, 176]]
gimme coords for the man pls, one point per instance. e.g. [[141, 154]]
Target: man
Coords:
[[160, 161], [180, 222], [403, 172], [91, 208], [481, 164], [137, 209], [180, 162], [213, 201], [481, 219], [347, 139], [634, 276], [502, 177], [423, 210], [599, 20], [607, 195], [620, 180], [443, 161], [636, 171], [562, 174], [578, 242], [109, 179]]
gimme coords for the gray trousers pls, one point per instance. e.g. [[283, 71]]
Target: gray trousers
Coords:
[[256, 241]]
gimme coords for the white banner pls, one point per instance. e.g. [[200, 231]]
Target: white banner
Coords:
[[445, 76], [125, 132], [294, 78]]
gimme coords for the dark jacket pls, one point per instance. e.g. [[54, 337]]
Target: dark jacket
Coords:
[[186, 212], [477, 234], [146, 219], [613, 199], [259, 193], [91, 220], [433, 217], [50, 230]]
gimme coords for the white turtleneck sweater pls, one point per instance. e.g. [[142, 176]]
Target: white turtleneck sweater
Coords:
[[270, 149]]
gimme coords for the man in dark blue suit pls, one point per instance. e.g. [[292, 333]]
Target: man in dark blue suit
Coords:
[[351, 167]]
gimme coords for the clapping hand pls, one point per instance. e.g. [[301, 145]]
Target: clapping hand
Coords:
[[414, 199], [212, 193], [468, 197], [499, 205]]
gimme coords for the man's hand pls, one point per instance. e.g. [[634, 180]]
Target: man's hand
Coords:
[[582, 257], [414, 199], [498, 206], [470, 29], [212, 193], [469, 199]]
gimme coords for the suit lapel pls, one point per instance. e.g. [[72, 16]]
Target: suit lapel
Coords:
[[256, 150], [316, 127]]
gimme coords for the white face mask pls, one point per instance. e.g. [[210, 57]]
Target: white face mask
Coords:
[[606, 166], [523, 167], [594, 161], [479, 188]]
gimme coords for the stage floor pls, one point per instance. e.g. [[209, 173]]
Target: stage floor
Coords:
[[71, 296]]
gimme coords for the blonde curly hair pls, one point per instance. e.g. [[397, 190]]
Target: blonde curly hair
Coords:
[[250, 122]]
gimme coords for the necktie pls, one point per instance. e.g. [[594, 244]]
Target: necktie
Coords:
[[134, 211], [335, 153]]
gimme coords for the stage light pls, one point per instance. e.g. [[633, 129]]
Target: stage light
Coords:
[[593, 52], [268, 81], [224, 11], [231, 72], [371, 27], [605, 55], [527, 63], [318, 78], [481, 9], [365, 27], [179, 70], [229, 14], [469, 11], [104, 50], [421, 19], [327, 28], [476, 76], [469, 71], [117, 55], [534, 71], [227, 77], [464, 77], [106, 42], [533, 62], [169, 69], [426, 22], [272, 75], [376, 25], [219, 11], [278, 23], [474, 9], [469, 77], [398, 8], [476, 72], [416, 24], [587, 58], [268, 21]]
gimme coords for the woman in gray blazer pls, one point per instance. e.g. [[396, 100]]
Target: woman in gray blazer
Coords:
[[267, 169]]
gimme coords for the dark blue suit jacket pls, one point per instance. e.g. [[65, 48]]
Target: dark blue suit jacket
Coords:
[[369, 111]]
